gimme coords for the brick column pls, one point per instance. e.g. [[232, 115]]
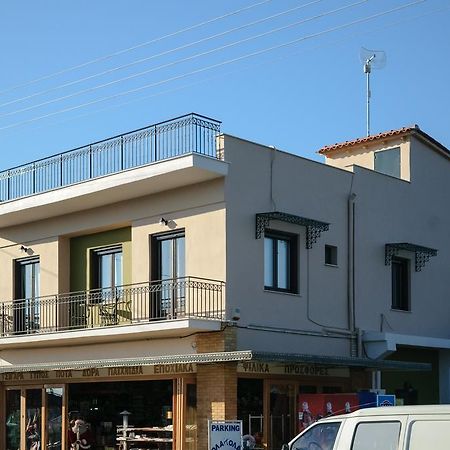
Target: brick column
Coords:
[[216, 384]]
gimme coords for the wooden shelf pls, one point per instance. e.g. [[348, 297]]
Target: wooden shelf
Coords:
[[162, 436]]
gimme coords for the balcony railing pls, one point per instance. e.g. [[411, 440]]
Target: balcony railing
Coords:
[[186, 134], [179, 298]]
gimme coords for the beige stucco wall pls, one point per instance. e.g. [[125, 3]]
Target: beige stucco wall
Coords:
[[363, 155], [198, 209], [49, 257]]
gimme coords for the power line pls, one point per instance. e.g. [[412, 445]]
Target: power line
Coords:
[[135, 47], [249, 66], [213, 66], [139, 61], [188, 58]]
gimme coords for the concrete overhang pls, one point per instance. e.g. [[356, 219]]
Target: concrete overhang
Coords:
[[133, 183], [121, 333], [380, 344]]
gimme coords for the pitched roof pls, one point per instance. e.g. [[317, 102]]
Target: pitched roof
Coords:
[[414, 129]]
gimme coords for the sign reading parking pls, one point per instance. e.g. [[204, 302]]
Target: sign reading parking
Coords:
[[225, 435], [385, 400]]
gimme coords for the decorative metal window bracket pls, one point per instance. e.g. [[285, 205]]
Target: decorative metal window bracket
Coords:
[[422, 254], [314, 228]]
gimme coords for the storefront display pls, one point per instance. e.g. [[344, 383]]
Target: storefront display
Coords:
[[83, 413]]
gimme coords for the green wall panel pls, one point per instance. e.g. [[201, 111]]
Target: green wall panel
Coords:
[[81, 246]]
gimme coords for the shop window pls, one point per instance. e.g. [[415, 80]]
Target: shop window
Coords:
[[280, 261], [250, 405], [100, 405], [26, 304], [191, 417], [331, 255], [400, 284], [12, 414], [388, 162], [376, 435]]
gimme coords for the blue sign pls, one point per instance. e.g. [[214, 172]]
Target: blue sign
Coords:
[[385, 400]]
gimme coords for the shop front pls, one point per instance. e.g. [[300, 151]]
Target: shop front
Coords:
[[270, 396], [281, 394], [53, 409]]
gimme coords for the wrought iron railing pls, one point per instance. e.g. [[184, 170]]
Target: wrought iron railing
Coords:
[[188, 297], [192, 133]]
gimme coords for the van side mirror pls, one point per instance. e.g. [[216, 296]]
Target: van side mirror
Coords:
[[285, 447]]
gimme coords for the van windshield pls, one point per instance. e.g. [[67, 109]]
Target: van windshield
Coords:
[[321, 436]]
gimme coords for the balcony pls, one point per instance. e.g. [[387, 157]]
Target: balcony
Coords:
[[115, 311], [162, 156]]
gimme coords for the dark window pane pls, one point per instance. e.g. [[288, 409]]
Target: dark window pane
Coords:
[[400, 284], [331, 255]]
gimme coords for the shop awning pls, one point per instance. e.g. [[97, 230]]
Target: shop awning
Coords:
[[123, 362], [218, 357], [339, 361]]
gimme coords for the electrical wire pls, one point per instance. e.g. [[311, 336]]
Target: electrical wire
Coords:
[[188, 58], [213, 66], [135, 47], [167, 52], [249, 66]]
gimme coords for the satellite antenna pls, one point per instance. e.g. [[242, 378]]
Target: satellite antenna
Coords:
[[371, 59]]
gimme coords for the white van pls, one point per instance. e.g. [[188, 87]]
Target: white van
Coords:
[[382, 428]]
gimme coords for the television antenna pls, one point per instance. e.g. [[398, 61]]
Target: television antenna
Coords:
[[371, 59]]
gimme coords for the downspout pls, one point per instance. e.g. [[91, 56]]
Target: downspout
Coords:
[[351, 276]]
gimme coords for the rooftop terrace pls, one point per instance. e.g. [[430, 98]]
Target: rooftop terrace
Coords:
[[183, 135]]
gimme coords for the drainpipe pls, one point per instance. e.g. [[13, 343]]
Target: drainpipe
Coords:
[[351, 275]]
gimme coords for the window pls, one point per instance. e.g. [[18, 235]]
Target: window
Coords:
[[400, 284], [318, 437], [331, 255], [280, 262], [169, 261], [376, 436], [26, 306], [388, 162], [168, 271], [107, 268]]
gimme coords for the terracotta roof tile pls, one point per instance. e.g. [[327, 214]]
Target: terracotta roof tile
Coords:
[[374, 137]]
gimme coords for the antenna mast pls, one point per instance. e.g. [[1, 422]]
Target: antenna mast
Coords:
[[372, 59], [367, 70]]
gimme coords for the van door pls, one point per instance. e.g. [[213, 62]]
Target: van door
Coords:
[[320, 436], [373, 433], [428, 432]]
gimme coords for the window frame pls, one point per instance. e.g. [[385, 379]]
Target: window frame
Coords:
[[378, 422], [333, 253], [96, 269], [156, 252], [402, 301], [390, 149], [292, 263]]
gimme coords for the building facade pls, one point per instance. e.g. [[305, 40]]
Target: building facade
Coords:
[[174, 275]]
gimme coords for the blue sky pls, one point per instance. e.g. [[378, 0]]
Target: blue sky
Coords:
[[298, 98]]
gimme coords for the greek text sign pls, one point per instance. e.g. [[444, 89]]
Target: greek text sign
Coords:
[[225, 435]]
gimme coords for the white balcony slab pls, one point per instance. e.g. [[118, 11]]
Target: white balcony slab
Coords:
[[156, 177], [120, 333]]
